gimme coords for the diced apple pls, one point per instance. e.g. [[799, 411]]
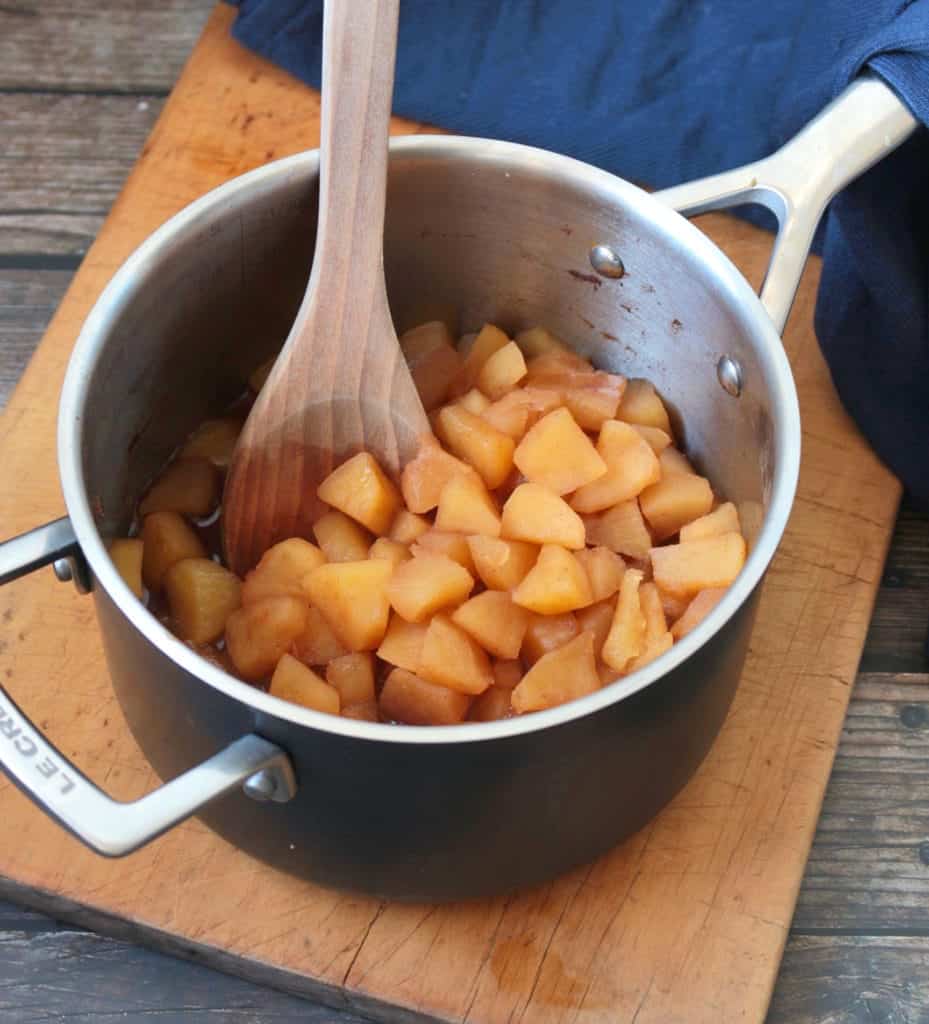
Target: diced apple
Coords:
[[631, 467], [507, 674], [539, 402], [366, 712], [475, 401], [675, 501], [502, 371], [502, 564], [674, 463], [353, 599], [494, 621], [189, 487], [474, 440], [626, 639], [537, 340], [126, 555], [466, 506], [166, 538], [621, 529], [490, 339], [490, 706], [557, 583], [641, 404], [213, 440], [362, 490], [407, 698], [440, 542], [724, 519], [259, 635], [423, 478], [403, 643], [657, 439], [407, 526], [557, 363], [293, 681], [509, 415], [593, 406], [547, 633], [656, 624], [652, 651], [604, 570], [559, 676], [699, 564], [282, 570], [597, 619], [427, 583], [673, 605], [558, 454], [695, 612], [451, 657], [433, 360], [389, 550], [317, 644], [341, 538], [201, 596], [352, 676], [533, 513]]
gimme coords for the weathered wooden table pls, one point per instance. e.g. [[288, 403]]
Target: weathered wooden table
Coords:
[[81, 84]]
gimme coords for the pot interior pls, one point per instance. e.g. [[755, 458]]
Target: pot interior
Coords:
[[475, 232]]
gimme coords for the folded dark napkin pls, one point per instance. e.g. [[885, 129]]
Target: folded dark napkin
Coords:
[[663, 91]]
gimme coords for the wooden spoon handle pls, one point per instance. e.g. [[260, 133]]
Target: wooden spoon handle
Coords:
[[359, 49]]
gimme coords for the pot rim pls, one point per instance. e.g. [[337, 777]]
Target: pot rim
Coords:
[[513, 157]]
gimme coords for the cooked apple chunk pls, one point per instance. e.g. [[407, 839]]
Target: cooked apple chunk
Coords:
[[426, 583], [353, 599], [559, 676], [201, 596], [495, 622], [534, 513], [558, 454], [411, 700], [451, 657], [282, 571], [293, 681], [684, 569], [557, 583], [362, 490]]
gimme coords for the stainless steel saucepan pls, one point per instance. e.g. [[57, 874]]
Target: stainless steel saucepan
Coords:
[[500, 232]]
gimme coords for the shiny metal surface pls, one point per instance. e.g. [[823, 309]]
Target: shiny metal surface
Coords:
[[607, 262], [865, 123], [730, 376], [496, 232], [52, 544]]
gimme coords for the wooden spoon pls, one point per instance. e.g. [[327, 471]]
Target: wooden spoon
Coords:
[[341, 383]]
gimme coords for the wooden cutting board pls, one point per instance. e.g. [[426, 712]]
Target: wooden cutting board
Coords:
[[685, 922]]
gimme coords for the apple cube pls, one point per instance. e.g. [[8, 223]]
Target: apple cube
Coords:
[[641, 404], [559, 676], [507, 674], [353, 599], [631, 467], [433, 360], [626, 638], [509, 414], [492, 705], [621, 529], [440, 542], [352, 676], [724, 519], [293, 681], [341, 538], [257, 636], [201, 596], [675, 501], [674, 463], [474, 401], [652, 651], [657, 439], [597, 619], [684, 569], [427, 583], [557, 583], [533, 513], [403, 643], [604, 570], [536, 341], [126, 555], [466, 506], [166, 538], [490, 339], [361, 489], [451, 657], [502, 371], [656, 624], [558, 454], [423, 478], [502, 564], [407, 698], [476, 442], [495, 622], [189, 487], [389, 550], [547, 633], [407, 526], [703, 603], [282, 570], [213, 440], [317, 644]]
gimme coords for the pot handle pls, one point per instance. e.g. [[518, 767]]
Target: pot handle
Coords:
[[48, 777], [861, 126]]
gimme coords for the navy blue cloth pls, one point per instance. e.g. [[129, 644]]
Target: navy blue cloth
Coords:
[[662, 91]]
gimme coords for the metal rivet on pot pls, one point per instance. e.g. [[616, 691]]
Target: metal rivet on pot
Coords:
[[261, 786], [62, 569], [730, 375], [606, 261]]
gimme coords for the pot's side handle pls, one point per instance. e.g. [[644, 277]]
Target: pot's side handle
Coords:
[[860, 127], [52, 544], [48, 777]]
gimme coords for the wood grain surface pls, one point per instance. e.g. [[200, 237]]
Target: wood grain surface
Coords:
[[811, 991]]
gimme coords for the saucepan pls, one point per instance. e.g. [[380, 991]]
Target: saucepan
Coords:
[[498, 232]]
